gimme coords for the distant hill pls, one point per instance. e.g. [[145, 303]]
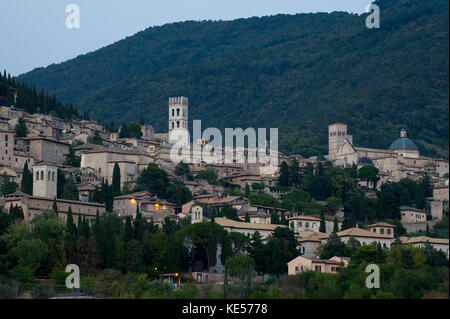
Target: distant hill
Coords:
[[295, 72]]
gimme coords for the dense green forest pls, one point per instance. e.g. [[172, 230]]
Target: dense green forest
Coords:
[[295, 72], [30, 100]]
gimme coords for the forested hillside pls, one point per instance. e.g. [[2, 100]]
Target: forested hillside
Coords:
[[295, 72]]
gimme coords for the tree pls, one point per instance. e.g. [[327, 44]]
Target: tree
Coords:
[[182, 169], [116, 180], [247, 218], [210, 174], [72, 159], [322, 227], [294, 174], [6, 186], [239, 242], [247, 190], [128, 230], [242, 267], [283, 179], [257, 252], [20, 129], [212, 244], [335, 225], [134, 257], [280, 249], [369, 174], [55, 206], [27, 180], [70, 191], [333, 203], [130, 130]]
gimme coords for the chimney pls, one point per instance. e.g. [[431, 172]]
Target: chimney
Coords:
[[357, 226]]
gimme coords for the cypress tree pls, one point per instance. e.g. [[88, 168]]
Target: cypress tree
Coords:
[[322, 222], [247, 217], [27, 180], [116, 180], [20, 129], [212, 244], [128, 231], [335, 226], [70, 225], [55, 206]]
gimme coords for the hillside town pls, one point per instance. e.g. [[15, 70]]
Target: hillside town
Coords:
[[81, 170]]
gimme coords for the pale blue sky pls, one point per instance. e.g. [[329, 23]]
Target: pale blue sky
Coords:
[[33, 32]]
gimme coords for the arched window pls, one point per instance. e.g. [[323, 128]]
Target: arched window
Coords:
[[384, 245], [314, 225], [42, 175], [178, 124], [37, 176], [173, 112], [388, 231], [173, 124], [53, 176], [382, 231], [299, 224], [49, 176], [307, 225], [6, 138], [178, 112]]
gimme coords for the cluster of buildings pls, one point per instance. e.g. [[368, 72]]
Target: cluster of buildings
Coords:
[[50, 139]]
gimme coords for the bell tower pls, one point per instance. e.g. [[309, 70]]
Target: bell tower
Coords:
[[45, 177], [178, 119]]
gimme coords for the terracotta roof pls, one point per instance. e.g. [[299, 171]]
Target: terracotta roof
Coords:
[[423, 239], [224, 222], [314, 237], [412, 209], [381, 224], [304, 218], [359, 232]]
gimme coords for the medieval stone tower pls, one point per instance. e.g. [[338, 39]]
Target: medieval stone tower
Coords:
[[337, 133], [44, 180], [178, 119]]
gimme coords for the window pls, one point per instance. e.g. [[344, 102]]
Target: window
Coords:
[[42, 175], [313, 225], [374, 230], [173, 112], [49, 176], [299, 225], [307, 225], [178, 112], [37, 176], [53, 176], [178, 124], [318, 268], [388, 231], [382, 231]]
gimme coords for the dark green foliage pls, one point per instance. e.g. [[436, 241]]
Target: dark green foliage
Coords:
[[116, 180], [27, 180], [283, 179], [371, 74], [20, 130], [130, 130], [72, 159], [31, 101], [6, 186], [210, 174], [70, 191]]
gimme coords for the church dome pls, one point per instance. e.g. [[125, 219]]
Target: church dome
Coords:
[[364, 161], [403, 143]]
